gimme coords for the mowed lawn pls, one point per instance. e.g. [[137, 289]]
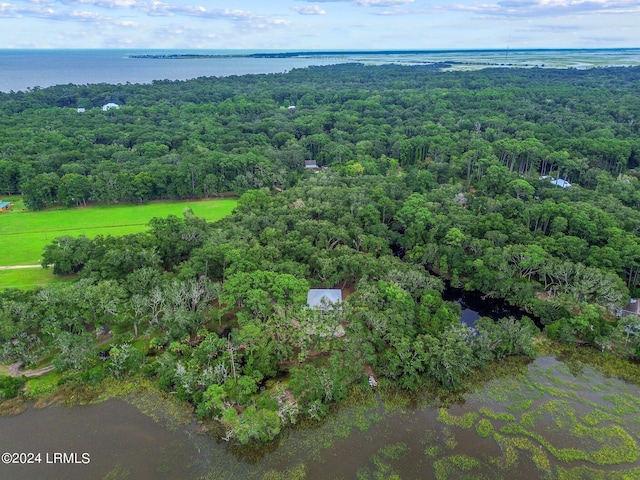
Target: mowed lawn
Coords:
[[28, 278], [24, 234]]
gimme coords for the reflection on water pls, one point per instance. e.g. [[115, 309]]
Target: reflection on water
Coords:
[[121, 443], [547, 423], [474, 305]]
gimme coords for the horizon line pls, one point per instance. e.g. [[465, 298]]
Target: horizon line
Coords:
[[331, 51]]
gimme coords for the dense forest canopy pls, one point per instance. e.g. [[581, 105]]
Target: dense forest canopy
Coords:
[[213, 135], [432, 177]]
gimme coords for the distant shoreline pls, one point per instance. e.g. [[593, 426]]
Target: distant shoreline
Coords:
[[339, 53], [26, 69]]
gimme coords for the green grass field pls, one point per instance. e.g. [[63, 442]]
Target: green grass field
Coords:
[[28, 278], [25, 233]]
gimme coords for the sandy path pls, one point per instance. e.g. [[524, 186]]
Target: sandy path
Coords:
[[14, 370], [16, 267]]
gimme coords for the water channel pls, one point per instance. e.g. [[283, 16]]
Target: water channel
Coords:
[[475, 305], [546, 421]]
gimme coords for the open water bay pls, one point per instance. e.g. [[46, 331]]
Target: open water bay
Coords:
[[21, 70]]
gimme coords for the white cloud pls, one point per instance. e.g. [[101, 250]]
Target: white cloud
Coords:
[[13, 11], [550, 28], [84, 17], [185, 36], [240, 18], [399, 12], [48, 13], [60, 10], [382, 3], [107, 3], [157, 8], [367, 3], [309, 10], [540, 8]]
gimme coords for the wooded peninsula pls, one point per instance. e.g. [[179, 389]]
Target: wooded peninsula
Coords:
[[389, 183]]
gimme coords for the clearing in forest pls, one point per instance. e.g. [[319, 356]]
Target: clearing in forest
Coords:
[[26, 233]]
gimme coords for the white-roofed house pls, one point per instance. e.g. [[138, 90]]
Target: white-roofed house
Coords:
[[560, 182], [324, 298], [326, 307]]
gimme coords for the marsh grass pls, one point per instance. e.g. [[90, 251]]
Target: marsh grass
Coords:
[[623, 403], [462, 421], [13, 406], [297, 472], [576, 358], [501, 416], [446, 466], [555, 416], [598, 417], [484, 428], [394, 451], [511, 446], [140, 392], [382, 463], [584, 472], [432, 451], [395, 399], [118, 473]]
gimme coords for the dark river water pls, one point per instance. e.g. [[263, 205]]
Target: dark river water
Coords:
[[546, 421], [475, 305]]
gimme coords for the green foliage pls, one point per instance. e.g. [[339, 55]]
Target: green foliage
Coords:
[[75, 351], [260, 291], [124, 358], [213, 401], [314, 387], [67, 254], [508, 336], [10, 387], [254, 425], [450, 357], [560, 330]]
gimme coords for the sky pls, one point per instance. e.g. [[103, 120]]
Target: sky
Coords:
[[319, 24]]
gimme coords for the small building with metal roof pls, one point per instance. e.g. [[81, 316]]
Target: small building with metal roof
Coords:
[[324, 298]]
